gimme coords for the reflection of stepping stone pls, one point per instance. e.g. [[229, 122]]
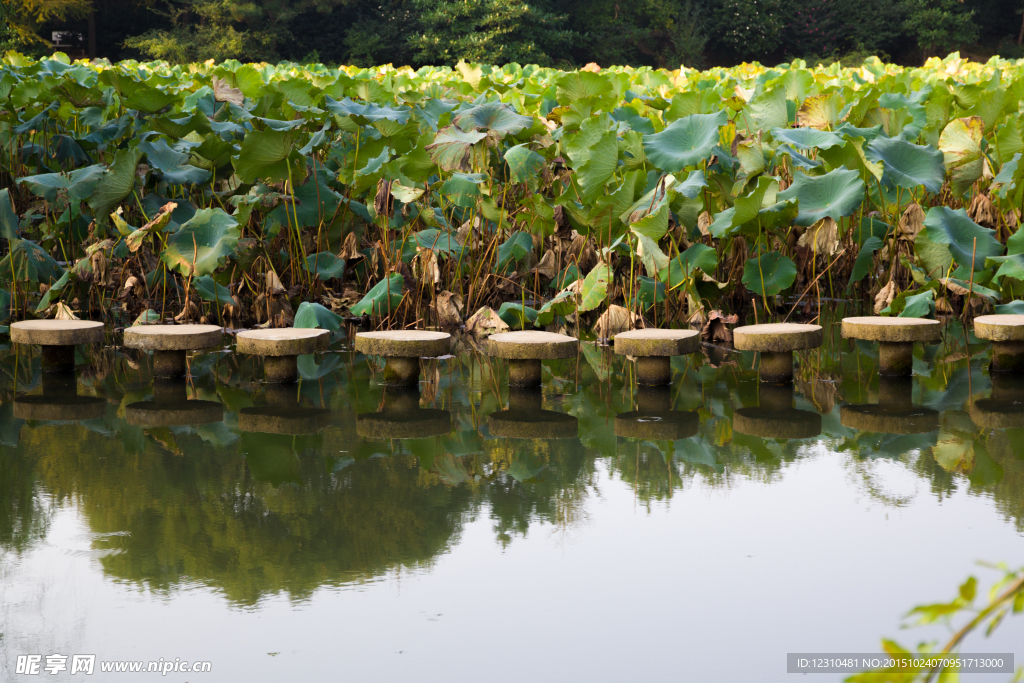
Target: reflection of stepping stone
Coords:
[[282, 414], [654, 418], [58, 339], [775, 417], [893, 414], [59, 402], [402, 418], [525, 350], [654, 349], [895, 337], [170, 407], [280, 349], [1006, 332], [169, 344], [776, 344], [532, 424], [1004, 409], [403, 350]]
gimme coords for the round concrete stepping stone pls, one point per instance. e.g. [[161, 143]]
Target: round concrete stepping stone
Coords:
[[281, 348], [896, 338], [653, 350], [170, 407], [526, 349], [59, 402], [776, 343], [282, 414], [403, 350], [169, 344], [777, 424], [1006, 332], [58, 339]]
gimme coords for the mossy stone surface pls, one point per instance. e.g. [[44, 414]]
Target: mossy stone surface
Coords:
[[999, 328], [882, 329], [532, 345], [286, 341], [279, 420], [413, 424], [886, 419], [532, 424], [172, 337], [56, 332], [777, 424], [777, 337], [654, 342], [404, 343]]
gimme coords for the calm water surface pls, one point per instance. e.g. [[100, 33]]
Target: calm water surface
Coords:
[[591, 532]]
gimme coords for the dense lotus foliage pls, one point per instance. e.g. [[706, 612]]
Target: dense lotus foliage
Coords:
[[254, 194]]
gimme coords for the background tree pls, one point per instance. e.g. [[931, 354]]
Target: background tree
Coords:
[[22, 19]]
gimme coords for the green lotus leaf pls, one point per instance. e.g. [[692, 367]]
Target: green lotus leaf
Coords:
[[385, 297], [523, 163], [960, 143], [513, 250], [1008, 177], [595, 287], [632, 118], [594, 151], [325, 265], [962, 236], [836, 194], [1010, 308], [366, 113], [807, 138], [582, 85], [54, 291], [865, 257], [768, 273], [566, 277], [452, 148], [493, 116], [768, 110], [920, 305], [908, 165], [654, 225], [694, 183], [202, 244], [685, 142], [28, 262], [117, 183], [463, 189], [311, 316], [78, 184], [9, 224], [757, 210], [264, 155], [172, 164], [209, 290], [516, 315], [444, 243], [681, 268], [149, 100]]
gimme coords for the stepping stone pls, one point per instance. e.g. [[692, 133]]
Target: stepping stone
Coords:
[[776, 343], [169, 344], [1004, 409], [59, 402], [525, 350], [775, 417], [1006, 332], [58, 339], [894, 413], [895, 337], [170, 407], [653, 350], [403, 350], [281, 348], [402, 418], [282, 414]]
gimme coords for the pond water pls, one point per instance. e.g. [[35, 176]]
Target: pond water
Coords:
[[333, 530]]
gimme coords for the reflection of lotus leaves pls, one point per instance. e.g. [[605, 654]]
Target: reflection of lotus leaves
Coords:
[[278, 420], [990, 413], [532, 424], [526, 468], [148, 414], [274, 466], [777, 424], [67, 408], [411, 424], [667, 425], [886, 419]]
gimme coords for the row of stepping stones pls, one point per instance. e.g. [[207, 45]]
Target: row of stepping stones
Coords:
[[524, 351]]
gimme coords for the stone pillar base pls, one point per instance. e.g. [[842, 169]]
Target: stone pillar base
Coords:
[[524, 372], [776, 368], [653, 371], [1007, 357], [402, 372], [169, 364], [58, 358], [895, 359], [280, 369]]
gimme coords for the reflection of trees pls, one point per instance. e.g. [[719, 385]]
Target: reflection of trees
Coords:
[[24, 515]]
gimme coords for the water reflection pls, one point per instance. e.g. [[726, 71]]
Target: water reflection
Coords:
[[258, 490]]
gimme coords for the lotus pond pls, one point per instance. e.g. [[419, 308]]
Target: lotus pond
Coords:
[[335, 530]]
